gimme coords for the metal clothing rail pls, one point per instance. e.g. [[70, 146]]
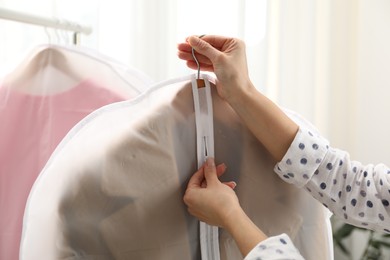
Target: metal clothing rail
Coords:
[[45, 22]]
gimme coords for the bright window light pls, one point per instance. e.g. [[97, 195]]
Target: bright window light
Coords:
[[255, 21], [219, 17]]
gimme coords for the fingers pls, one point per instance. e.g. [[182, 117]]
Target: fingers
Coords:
[[196, 179], [221, 169], [210, 171], [209, 46], [184, 47], [216, 41], [185, 53], [192, 65], [231, 184], [204, 48]]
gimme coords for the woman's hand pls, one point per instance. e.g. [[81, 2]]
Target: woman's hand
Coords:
[[216, 203], [210, 200], [225, 57]]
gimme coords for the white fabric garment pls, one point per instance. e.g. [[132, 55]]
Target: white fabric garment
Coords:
[[113, 188]]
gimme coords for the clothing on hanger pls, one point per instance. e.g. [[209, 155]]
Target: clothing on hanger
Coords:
[[40, 101], [113, 188], [67, 66]]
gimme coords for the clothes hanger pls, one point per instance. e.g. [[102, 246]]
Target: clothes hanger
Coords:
[[200, 82], [29, 76], [68, 66], [43, 63]]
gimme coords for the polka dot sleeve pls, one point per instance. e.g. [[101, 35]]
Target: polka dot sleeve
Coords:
[[275, 248], [360, 194]]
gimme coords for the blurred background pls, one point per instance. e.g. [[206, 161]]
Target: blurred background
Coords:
[[327, 60]]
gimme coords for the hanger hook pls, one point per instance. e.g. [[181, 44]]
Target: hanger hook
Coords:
[[196, 60], [48, 35]]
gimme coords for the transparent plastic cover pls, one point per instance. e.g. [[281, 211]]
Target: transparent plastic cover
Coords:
[[41, 99], [113, 188]]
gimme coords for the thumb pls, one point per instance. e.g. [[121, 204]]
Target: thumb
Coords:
[[203, 47], [210, 171]]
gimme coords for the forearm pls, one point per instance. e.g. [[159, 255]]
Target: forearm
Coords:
[[353, 191], [246, 234], [266, 120]]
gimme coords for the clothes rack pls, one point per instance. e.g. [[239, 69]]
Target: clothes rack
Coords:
[[17, 16]]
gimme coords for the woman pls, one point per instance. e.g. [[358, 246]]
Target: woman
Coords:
[[358, 193]]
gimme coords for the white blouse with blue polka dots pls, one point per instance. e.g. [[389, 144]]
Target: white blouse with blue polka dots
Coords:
[[360, 194], [275, 248]]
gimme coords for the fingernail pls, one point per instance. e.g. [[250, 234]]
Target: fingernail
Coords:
[[224, 166], [192, 40], [210, 162], [234, 184]]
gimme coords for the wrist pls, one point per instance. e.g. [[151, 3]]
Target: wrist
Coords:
[[246, 234], [242, 94], [236, 217]]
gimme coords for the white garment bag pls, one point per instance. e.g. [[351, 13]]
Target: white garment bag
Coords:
[[41, 99], [114, 187], [50, 68]]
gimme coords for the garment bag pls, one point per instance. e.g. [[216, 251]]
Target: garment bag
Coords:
[[114, 187], [40, 101]]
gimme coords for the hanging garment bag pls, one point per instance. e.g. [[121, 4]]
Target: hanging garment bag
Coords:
[[114, 187], [40, 101]]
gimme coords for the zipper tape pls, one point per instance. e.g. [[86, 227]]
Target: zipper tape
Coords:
[[209, 241]]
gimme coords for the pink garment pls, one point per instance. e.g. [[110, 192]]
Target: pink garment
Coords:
[[31, 126]]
